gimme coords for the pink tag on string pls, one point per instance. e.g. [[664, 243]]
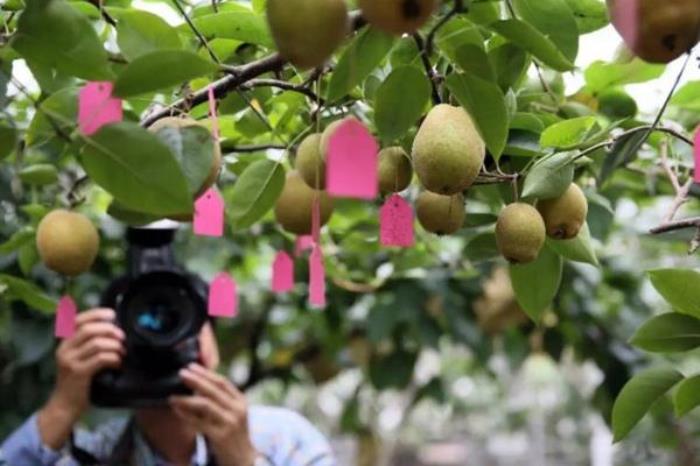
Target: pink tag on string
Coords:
[[213, 115], [303, 243], [316, 219], [396, 223], [223, 299], [351, 167], [696, 171], [282, 273], [66, 312], [317, 278], [209, 214], [97, 107], [627, 15]]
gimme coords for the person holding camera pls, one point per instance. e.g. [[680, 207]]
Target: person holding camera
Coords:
[[151, 349]]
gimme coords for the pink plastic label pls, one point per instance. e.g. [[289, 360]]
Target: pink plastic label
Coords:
[[282, 273], [317, 278], [66, 312], [97, 107], [627, 15], [209, 214], [223, 299], [303, 243], [696, 172], [351, 167], [396, 223], [213, 115]]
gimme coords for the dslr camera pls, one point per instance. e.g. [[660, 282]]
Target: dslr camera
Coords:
[[161, 309]]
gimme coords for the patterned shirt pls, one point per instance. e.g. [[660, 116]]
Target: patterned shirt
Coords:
[[281, 437]]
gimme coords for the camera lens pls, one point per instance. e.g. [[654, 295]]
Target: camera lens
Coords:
[[159, 315]]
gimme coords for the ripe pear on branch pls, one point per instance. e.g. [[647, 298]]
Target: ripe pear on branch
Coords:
[[565, 215], [294, 207], [307, 32], [397, 16], [520, 233], [448, 151], [395, 170], [442, 215], [67, 242], [657, 31]]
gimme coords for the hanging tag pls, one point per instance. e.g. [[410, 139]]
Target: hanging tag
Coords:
[[97, 107], [351, 166], [316, 218], [696, 171], [282, 273], [317, 278], [627, 14], [213, 115], [209, 214], [396, 223], [303, 243], [223, 299], [66, 312]]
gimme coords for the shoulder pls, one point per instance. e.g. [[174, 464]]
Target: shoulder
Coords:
[[283, 433]]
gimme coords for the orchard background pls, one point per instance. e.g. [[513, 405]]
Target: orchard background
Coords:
[[423, 355]]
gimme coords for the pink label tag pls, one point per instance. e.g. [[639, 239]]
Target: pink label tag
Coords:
[[97, 107], [316, 219], [303, 243], [317, 278], [282, 273], [223, 299], [351, 167], [696, 171], [627, 15], [209, 214], [213, 115], [396, 222], [66, 312]]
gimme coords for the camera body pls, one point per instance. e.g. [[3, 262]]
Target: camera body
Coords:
[[161, 309]]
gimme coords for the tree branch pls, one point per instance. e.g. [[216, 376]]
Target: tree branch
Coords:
[[693, 222], [457, 8], [301, 89], [227, 147], [429, 70]]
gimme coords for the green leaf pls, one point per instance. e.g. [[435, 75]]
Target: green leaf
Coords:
[[393, 371], [680, 288], [637, 397], [555, 20], [568, 134], [688, 96], [624, 150], [602, 75], [140, 32], [485, 102], [668, 333], [159, 70], [358, 60], [536, 284], [39, 175], [8, 140], [687, 396], [549, 177], [509, 63], [128, 216], [400, 101], [255, 192], [473, 59], [482, 247], [137, 169], [579, 249], [17, 240], [193, 148], [240, 25], [590, 15], [530, 39], [29, 293], [457, 32], [61, 109], [52, 33]]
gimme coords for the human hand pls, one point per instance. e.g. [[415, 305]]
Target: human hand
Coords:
[[219, 411], [97, 344]]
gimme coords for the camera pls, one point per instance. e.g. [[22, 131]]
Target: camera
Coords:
[[161, 308]]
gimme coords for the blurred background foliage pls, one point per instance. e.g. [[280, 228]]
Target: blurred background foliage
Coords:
[[422, 355]]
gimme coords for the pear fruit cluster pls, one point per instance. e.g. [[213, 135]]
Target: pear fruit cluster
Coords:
[[307, 32], [294, 207], [657, 31], [67, 242]]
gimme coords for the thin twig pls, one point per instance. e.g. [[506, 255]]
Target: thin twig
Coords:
[[429, 70], [106, 16], [193, 28], [301, 89], [693, 222], [649, 128], [457, 8], [681, 191], [229, 148]]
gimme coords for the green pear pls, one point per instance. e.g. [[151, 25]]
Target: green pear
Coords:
[[294, 206], [397, 16], [565, 215], [520, 233], [448, 151], [442, 215], [395, 170], [310, 162]]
